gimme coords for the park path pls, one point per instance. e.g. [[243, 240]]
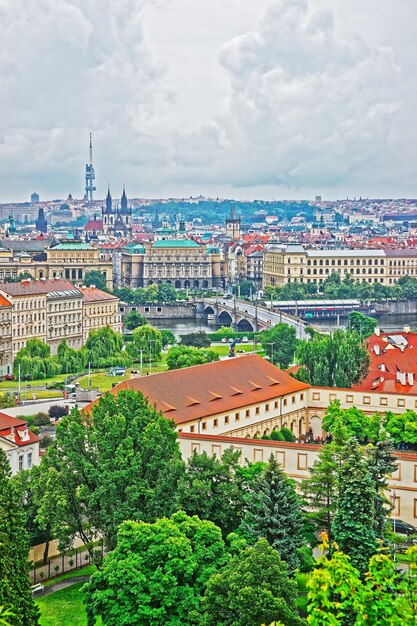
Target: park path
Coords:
[[63, 584]]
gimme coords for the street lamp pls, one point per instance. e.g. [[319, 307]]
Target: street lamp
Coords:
[[151, 341]]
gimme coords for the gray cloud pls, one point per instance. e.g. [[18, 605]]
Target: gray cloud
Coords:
[[280, 97]]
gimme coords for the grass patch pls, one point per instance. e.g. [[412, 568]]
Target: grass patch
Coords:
[[101, 381], [64, 608], [12, 385], [224, 349], [88, 570], [301, 601]]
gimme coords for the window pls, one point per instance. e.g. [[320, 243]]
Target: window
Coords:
[[276, 404], [237, 417], [215, 422], [316, 395], [332, 397], [247, 413], [204, 425], [285, 401], [366, 400], [301, 397], [383, 401], [29, 460], [257, 411], [226, 419], [349, 399], [401, 402], [266, 408], [21, 458], [192, 429], [301, 461]]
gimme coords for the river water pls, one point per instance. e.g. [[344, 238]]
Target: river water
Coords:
[[187, 325]]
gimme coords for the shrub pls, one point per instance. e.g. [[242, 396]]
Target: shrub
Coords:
[[276, 435], [287, 434], [56, 411]]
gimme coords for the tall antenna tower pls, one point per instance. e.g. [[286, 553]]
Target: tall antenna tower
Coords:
[[90, 175]]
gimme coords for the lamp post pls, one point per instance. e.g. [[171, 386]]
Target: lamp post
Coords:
[[394, 503], [151, 341]]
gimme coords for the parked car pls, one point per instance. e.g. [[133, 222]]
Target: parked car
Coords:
[[224, 339], [9, 377], [404, 528], [245, 340]]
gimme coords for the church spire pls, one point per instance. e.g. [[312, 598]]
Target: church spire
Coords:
[[109, 202], [123, 202]]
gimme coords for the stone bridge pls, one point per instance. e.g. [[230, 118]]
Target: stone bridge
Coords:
[[246, 316]]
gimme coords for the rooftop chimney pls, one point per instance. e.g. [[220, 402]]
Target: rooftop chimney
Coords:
[[410, 378], [406, 329], [377, 331], [377, 349]]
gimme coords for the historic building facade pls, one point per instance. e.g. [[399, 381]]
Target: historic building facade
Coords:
[[181, 262], [117, 220]]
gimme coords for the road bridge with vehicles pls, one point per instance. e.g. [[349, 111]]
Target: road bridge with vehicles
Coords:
[[247, 316]]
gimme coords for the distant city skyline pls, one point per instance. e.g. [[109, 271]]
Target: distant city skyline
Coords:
[[274, 99]]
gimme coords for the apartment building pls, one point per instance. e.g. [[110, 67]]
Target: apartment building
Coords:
[[99, 309], [294, 263], [181, 262], [20, 444], [51, 310]]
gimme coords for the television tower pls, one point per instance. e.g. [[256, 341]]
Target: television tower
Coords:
[[90, 175]]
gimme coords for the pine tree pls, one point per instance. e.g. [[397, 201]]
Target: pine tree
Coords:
[[381, 464], [320, 490], [274, 513], [353, 528], [15, 588]]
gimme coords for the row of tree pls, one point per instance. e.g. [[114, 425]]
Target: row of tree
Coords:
[[335, 288]]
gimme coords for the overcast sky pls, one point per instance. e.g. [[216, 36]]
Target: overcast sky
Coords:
[[235, 98]]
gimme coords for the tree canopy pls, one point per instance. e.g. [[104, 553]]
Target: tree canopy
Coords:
[[120, 462], [167, 563], [253, 589], [336, 360], [185, 356], [148, 340], [280, 344], [96, 278], [104, 348], [133, 320]]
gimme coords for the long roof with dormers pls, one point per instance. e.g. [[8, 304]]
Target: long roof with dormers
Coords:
[[193, 393]]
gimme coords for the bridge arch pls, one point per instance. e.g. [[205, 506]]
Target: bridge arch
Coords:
[[225, 319], [244, 326], [209, 310]]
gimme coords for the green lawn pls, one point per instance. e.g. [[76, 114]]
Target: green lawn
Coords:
[[101, 381], [64, 608], [83, 571], [14, 384]]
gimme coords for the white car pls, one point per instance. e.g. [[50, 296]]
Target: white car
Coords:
[[245, 340]]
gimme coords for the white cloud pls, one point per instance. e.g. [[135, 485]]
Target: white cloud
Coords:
[[282, 97]]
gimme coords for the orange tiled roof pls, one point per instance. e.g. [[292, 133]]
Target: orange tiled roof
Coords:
[[195, 392], [37, 287], [92, 294]]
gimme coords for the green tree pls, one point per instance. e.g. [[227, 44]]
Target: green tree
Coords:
[[253, 589], [96, 278], [104, 348], [157, 573], [212, 489], [148, 340], [354, 420], [70, 360], [167, 338], [15, 586], [273, 511], [133, 320], [166, 293], [363, 325], [245, 288], [320, 492], [287, 434], [402, 427], [280, 344], [335, 360], [197, 340], [353, 527], [120, 462], [381, 463], [184, 356], [339, 594]]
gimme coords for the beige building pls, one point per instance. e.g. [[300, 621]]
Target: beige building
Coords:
[[20, 444], [294, 263], [51, 310], [181, 262], [69, 259], [100, 309]]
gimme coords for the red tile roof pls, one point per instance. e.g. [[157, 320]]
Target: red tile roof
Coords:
[[13, 429], [37, 287], [4, 302], [191, 393], [92, 294], [388, 361], [94, 225]]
